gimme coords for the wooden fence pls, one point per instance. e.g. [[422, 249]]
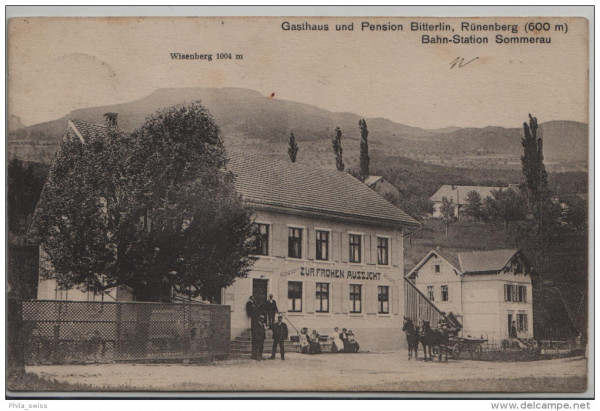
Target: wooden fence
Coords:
[[85, 331]]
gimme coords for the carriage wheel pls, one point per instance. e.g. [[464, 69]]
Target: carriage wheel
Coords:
[[436, 350], [456, 351], [475, 350]]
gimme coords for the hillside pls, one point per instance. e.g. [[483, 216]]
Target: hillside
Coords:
[[253, 122]]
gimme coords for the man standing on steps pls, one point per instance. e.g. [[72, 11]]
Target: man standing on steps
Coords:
[[271, 310], [280, 334], [258, 338], [251, 311]]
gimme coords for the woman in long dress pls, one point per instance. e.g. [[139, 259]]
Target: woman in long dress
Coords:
[[304, 345], [315, 346], [337, 344]]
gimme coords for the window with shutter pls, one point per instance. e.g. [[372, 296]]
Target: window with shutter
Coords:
[[383, 299], [322, 297], [355, 248], [322, 245], [294, 242], [261, 239], [383, 257], [355, 298], [294, 296]]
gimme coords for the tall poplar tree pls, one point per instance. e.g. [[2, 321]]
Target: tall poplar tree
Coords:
[[364, 149], [336, 143], [293, 148], [536, 178]]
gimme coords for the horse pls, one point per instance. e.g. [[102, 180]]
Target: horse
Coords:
[[412, 337], [434, 338]]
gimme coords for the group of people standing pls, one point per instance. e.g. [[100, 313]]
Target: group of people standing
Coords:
[[262, 316], [340, 341]]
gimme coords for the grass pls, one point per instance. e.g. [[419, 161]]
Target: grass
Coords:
[[29, 382]]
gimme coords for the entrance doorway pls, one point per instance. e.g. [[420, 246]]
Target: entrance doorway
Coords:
[[259, 291]]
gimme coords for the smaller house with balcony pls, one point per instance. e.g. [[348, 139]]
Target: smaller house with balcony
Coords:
[[485, 290]]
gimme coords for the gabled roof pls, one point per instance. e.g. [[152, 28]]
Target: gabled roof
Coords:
[[459, 193], [470, 262], [85, 131], [485, 261], [449, 257], [291, 187], [370, 180]]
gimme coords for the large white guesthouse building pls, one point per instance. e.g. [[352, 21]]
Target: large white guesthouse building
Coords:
[[330, 250]]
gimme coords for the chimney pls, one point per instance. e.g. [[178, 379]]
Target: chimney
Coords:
[[111, 119]]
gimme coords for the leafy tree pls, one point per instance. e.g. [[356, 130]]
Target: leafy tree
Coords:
[[336, 143], [505, 205], [448, 213], [411, 202], [293, 148], [364, 148], [153, 210], [474, 206]]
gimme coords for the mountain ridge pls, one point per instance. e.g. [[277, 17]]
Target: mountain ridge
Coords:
[[247, 117]]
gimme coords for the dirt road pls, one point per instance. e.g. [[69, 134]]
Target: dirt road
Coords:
[[390, 371]]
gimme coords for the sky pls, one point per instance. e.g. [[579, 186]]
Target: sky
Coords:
[[56, 65]]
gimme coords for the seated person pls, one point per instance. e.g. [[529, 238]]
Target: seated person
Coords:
[[352, 344], [304, 345], [313, 341], [336, 343]]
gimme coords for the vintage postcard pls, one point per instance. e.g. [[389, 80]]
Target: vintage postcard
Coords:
[[320, 204]]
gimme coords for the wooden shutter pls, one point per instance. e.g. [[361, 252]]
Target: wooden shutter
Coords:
[[396, 299], [335, 292], [395, 251], [282, 302], [371, 299], [344, 243], [336, 245], [345, 298], [373, 252], [367, 249], [280, 241], [309, 296], [311, 253]]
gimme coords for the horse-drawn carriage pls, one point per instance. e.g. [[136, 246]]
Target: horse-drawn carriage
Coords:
[[440, 340], [458, 345]]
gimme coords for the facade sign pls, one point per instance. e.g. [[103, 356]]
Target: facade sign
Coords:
[[338, 273]]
